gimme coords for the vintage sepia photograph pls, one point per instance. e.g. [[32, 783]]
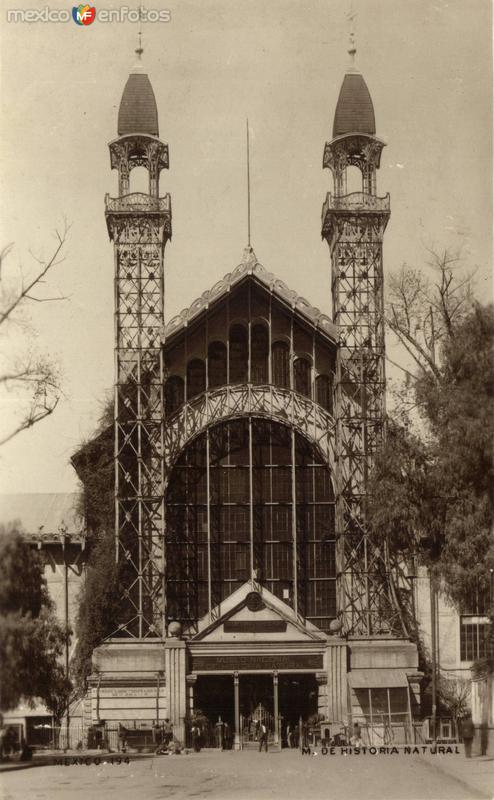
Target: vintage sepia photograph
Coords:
[[247, 400]]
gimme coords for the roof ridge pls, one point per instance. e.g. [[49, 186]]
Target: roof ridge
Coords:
[[249, 266]]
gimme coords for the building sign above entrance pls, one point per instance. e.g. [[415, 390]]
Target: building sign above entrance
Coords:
[[258, 662], [255, 626]]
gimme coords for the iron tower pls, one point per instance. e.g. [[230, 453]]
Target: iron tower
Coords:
[[353, 225], [139, 224]]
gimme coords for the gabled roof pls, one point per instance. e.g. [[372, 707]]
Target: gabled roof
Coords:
[[265, 609], [42, 515], [250, 266]]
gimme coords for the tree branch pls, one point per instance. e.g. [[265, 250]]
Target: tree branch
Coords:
[[31, 420], [24, 293]]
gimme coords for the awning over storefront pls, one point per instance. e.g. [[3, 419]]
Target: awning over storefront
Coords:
[[377, 678]]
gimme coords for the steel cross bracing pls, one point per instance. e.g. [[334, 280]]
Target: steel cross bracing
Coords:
[[139, 238], [367, 594]]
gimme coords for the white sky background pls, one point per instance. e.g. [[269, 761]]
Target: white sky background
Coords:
[[427, 65]]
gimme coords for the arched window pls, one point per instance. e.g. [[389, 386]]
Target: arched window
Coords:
[[196, 377], [353, 180], [259, 349], [261, 480], [139, 180], [174, 394], [239, 352], [323, 392], [281, 364], [217, 364], [301, 376]]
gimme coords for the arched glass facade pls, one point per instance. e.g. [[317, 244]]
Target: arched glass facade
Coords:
[[250, 495]]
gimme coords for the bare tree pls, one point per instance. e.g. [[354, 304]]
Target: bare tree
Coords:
[[422, 311], [454, 693], [33, 379]]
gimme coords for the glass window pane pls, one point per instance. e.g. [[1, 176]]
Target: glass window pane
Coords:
[[281, 364], [196, 378], [380, 701], [259, 349], [217, 364], [174, 394], [239, 351], [302, 376], [323, 392]]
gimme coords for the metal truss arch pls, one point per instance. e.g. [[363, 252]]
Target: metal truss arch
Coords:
[[233, 402]]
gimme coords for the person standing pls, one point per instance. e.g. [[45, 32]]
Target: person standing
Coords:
[[467, 734], [122, 738], [167, 732], [290, 735], [263, 737], [196, 736], [356, 737], [219, 734]]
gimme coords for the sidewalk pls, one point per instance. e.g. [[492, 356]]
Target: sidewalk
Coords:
[[475, 773]]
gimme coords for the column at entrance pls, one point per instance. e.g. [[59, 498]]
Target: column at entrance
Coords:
[[191, 682], [336, 689], [236, 694], [276, 710], [175, 668], [322, 694]]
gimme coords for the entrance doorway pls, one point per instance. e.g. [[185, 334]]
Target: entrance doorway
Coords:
[[240, 703], [255, 691], [213, 695], [297, 699]]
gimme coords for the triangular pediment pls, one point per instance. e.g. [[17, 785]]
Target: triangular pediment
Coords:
[[251, 269], [252, 614]]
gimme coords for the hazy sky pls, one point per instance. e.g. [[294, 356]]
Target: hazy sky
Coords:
[[427, 65]]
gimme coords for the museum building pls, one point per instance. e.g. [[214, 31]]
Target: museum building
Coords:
[[245, 428]]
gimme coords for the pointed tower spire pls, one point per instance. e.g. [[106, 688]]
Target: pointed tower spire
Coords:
[[353, 226], [249, 257], [248, 184], [139, 225]]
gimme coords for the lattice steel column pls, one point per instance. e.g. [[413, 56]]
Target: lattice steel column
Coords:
[[353, 225], [139, 224]]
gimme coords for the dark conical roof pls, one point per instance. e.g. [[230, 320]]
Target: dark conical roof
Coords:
[[354, 111], [138, 112]]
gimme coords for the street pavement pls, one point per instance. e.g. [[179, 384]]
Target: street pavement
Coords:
[[250, 775]]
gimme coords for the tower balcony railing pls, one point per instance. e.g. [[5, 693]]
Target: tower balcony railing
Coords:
[[356, 201], [137, 201]]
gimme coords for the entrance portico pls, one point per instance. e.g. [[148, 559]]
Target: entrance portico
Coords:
[[255, 655], [253, 659], [240, 698]]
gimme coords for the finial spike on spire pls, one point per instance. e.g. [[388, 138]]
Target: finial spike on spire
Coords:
[[139, 50], [248, 185], [352, 49]]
